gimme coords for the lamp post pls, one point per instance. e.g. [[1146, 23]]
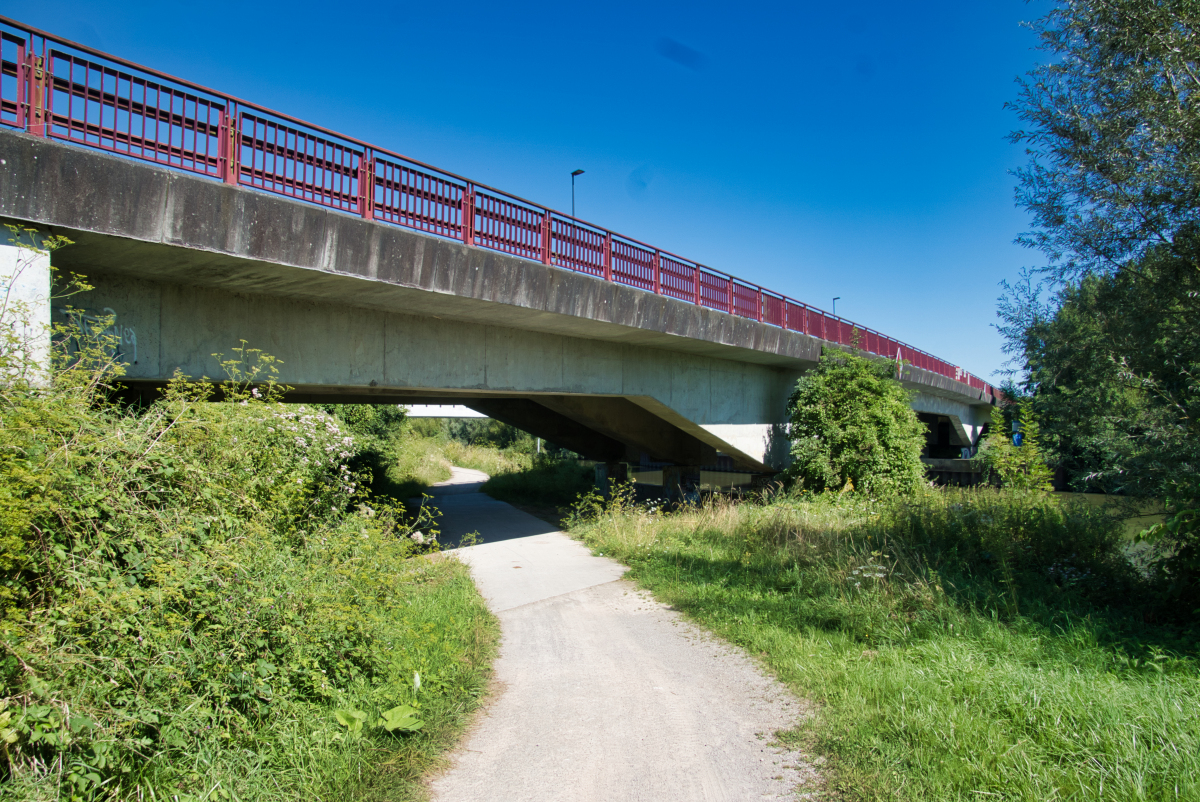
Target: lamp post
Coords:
[[573, 174], [835, 300]]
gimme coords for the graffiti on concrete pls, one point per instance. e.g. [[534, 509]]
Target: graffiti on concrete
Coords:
[[119, 340]]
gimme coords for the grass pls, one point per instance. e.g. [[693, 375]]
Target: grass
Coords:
[[547, 483], [966, 645], [410, 462], [490, 460]]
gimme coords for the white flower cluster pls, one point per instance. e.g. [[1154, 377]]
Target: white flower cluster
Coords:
[[320, 441], [869, 571]]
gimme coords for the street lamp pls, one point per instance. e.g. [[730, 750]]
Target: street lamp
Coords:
[[573, 174], [835, 300]]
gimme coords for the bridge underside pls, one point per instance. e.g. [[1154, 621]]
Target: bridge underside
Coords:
[[606, 400], [361, 312]]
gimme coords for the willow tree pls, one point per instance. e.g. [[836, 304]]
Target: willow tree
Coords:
[[1104, 334]]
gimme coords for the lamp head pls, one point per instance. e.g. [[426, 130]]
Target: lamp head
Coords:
[[577, 172]]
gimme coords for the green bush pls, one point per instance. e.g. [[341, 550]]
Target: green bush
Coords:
[[190, 592], [852, 425], [1020, 467]]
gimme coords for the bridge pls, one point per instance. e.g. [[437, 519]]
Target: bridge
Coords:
[[203, 220]]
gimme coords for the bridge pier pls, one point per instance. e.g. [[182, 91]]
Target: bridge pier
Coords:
[[609, 474], [681, 483], [25, 307]]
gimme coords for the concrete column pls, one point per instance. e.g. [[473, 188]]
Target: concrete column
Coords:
[[681, 483], [25, 309], [609, 474]]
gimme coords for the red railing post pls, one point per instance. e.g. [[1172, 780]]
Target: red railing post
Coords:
[[546, 234], [608, 256], [468, 216], [229, 147], [366, 185], [696, 275], [729, 295], [657, 272], [37, 96], [760, 304]]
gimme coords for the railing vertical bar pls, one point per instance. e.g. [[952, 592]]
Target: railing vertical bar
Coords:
[[37, 95], [468, 214], [608, 256]]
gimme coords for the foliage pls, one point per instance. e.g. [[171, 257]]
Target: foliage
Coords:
[[1020, 467], [1112, 372], [549, 481], [852, 425], [1112, 358], [488, 459], [191, 591], [1113, 133], [962, 643]]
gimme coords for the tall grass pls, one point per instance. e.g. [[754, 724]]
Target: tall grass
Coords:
[[408, 462], [412, 463], [547, 482], [965, 645], [490, 460]]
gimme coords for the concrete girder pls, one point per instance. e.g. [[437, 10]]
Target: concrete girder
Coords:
[[640, 430], [966, 420], [543, 422]]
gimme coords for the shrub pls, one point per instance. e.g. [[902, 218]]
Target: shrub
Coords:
[[852, 425], [1016, 467], [188, 592]]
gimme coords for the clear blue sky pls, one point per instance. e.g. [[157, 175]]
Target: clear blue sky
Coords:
[[819, 149]]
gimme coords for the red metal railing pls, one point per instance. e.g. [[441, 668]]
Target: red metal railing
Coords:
[[55, 88]]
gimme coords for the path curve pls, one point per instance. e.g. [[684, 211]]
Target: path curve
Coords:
[[602, 694]]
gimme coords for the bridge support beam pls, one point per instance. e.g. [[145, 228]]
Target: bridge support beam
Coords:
[[681, 483], [540, 421], [609, 474], [25, 308]]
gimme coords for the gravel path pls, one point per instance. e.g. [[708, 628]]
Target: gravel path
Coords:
[[603, 694]]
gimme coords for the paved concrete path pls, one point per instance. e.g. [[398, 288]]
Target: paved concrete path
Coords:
[[601, 693], [465, 511]]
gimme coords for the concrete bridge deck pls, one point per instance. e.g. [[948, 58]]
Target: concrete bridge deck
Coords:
[[358, 311]]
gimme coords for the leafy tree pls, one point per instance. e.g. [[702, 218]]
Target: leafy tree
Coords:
[[1020, 467], [1110, 372], [852, 425], [1112, 359], [1113, 132]]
